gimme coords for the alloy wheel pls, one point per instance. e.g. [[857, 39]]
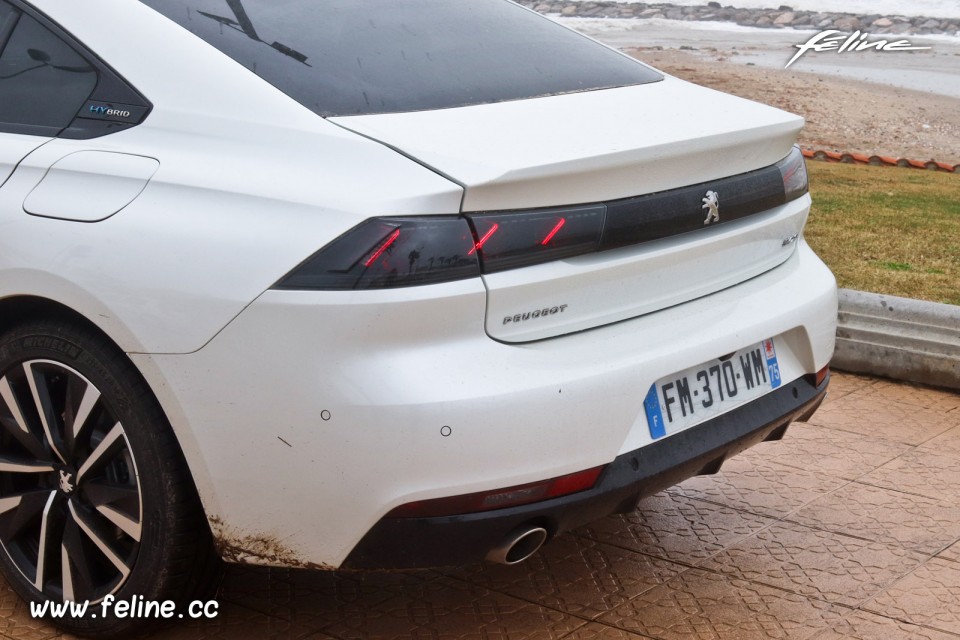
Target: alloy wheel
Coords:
[[70, 497]]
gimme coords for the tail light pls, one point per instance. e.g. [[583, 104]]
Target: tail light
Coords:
[[512, 240], [383, 253], [794, 172]]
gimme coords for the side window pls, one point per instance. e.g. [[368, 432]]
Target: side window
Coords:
[[6, 17], [43, 81]]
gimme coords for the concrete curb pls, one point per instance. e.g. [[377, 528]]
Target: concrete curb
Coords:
[[898, 338]]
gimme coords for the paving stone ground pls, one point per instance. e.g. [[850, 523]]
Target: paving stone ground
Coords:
[[848, 528]]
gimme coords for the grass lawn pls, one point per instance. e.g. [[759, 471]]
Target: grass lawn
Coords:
[[888, 230]]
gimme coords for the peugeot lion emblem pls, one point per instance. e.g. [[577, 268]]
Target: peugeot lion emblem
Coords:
[[65, 485], [711, 203]]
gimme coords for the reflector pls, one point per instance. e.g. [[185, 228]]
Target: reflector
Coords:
[[822, 375], [500, 498]]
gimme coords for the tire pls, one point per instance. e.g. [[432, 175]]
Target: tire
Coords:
[[95, 495]]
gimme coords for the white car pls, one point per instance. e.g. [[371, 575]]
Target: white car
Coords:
[[371, 284]]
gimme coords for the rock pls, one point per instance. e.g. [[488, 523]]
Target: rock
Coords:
[[785, 18], [848, 23]]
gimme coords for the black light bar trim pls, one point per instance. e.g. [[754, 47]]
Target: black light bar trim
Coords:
[[661, 215], [447, 248]]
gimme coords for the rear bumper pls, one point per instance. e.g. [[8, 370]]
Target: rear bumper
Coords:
[[396, 543], [315, 414]]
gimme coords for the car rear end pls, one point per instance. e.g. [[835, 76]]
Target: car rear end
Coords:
[[622, 300]]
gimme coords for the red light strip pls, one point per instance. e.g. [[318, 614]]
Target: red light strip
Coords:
[[484, 239], [386, 245], [557, 228], [500, 498]]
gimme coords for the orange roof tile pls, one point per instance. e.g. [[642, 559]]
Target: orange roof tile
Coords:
[[860, 158]]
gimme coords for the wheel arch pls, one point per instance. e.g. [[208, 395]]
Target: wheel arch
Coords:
[[17, 310], [53, 295]]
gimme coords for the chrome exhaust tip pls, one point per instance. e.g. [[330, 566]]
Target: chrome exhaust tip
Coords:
[[518, 546]]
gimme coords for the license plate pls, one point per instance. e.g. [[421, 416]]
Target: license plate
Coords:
[[687, 398]]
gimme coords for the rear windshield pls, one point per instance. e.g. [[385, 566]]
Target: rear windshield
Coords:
[[351, 57]]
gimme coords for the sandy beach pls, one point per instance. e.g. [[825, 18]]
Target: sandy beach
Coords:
[[901, 104]]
